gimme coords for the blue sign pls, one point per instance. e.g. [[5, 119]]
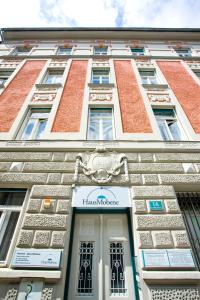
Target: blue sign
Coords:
[[156, 205]]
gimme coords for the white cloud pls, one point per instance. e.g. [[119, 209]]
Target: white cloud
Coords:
[[100, 13]]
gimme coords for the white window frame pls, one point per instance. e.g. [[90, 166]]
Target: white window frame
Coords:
[[186, 52], [149, 78], [96, 48], [21, 53], [66, 48], [36, 125], [167, 120], [100, 133], [142, 53], [101, 76], [53, 73], [4, 220]]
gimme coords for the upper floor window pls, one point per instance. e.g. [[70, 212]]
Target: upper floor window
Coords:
[[183, 52], [35, 124], [100, 50], [137, 51], [169, 126], [100, 125], [22, 50], [53, 76], [100, 76], [64, 51], [10, 207], [197, 73], [4, 75], [149, 77]]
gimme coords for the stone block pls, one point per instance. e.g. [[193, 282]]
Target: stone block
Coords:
[[176, 293], [178, 157], [155, 168], [135, 179], [59, 156], [150, 179], [172, 206], [44, 221], [28, 178], [51, 209], [58, 239], [54, 191], [145, 239], [71, 156], [25, 238], [180, 179], [63, 207], [153, 192], [159, 222], [132, 157], [64, 167], [25, 156], [146, 157], [34, 205], [4, 166], [16, 166], [139, 206], [162, 239], [42, 239], [180, 239], [69, 179], [54, 178]]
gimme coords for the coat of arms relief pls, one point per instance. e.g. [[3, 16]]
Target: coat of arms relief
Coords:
[[101, 165]]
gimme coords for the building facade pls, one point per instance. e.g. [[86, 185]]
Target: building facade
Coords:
[[99, 164]]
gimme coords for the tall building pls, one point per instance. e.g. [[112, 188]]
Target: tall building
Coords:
[[99, 164]]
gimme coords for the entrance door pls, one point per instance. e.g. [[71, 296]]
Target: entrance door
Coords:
[[101, 266]]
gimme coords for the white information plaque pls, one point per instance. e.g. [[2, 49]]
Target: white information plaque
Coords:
[[181, 258], [101, 197], [155, 258], [36, 258]]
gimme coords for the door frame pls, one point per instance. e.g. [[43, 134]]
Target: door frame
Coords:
[[130, 233]]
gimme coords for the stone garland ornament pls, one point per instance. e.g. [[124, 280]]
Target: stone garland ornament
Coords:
[[101, 165]]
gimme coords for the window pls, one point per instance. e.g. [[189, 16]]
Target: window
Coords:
[[100, 50], [100, 124], [64, 51], [100, 76], [137, 51], [149, 77], [190, 208], [10, 207], [183, 52], [53, 77], [197, 73], [35, 124], [4, 75], [169, 126], [22, 50]]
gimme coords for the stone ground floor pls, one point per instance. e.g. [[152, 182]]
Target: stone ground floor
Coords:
[[99, 225]]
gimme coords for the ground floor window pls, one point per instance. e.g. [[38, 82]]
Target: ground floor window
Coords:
[[190, 207], [11, 202]]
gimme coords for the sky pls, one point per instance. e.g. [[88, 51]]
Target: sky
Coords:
[[99, 13]]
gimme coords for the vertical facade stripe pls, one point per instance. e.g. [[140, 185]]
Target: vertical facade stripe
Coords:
[[185, 88], [68, 116], [133, 112], [14, 95]]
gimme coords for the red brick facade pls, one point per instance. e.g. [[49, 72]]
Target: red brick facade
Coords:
[[13, 97], [133, 113], [68, 116]]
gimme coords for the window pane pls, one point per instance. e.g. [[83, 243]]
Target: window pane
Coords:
[[28, 130], [175, 131], [41, 128], [164, 130], [64, 51], [16, 198], [6, 234], [102, 50], [100, 124]]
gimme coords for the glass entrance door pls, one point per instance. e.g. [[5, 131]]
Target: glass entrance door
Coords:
[[101, 265]]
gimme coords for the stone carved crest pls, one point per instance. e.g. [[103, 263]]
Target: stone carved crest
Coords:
[[101, 165]]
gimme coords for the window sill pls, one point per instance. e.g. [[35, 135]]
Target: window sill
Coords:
[[108, 85], [52, 275], [48, 85], [155, 86]]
